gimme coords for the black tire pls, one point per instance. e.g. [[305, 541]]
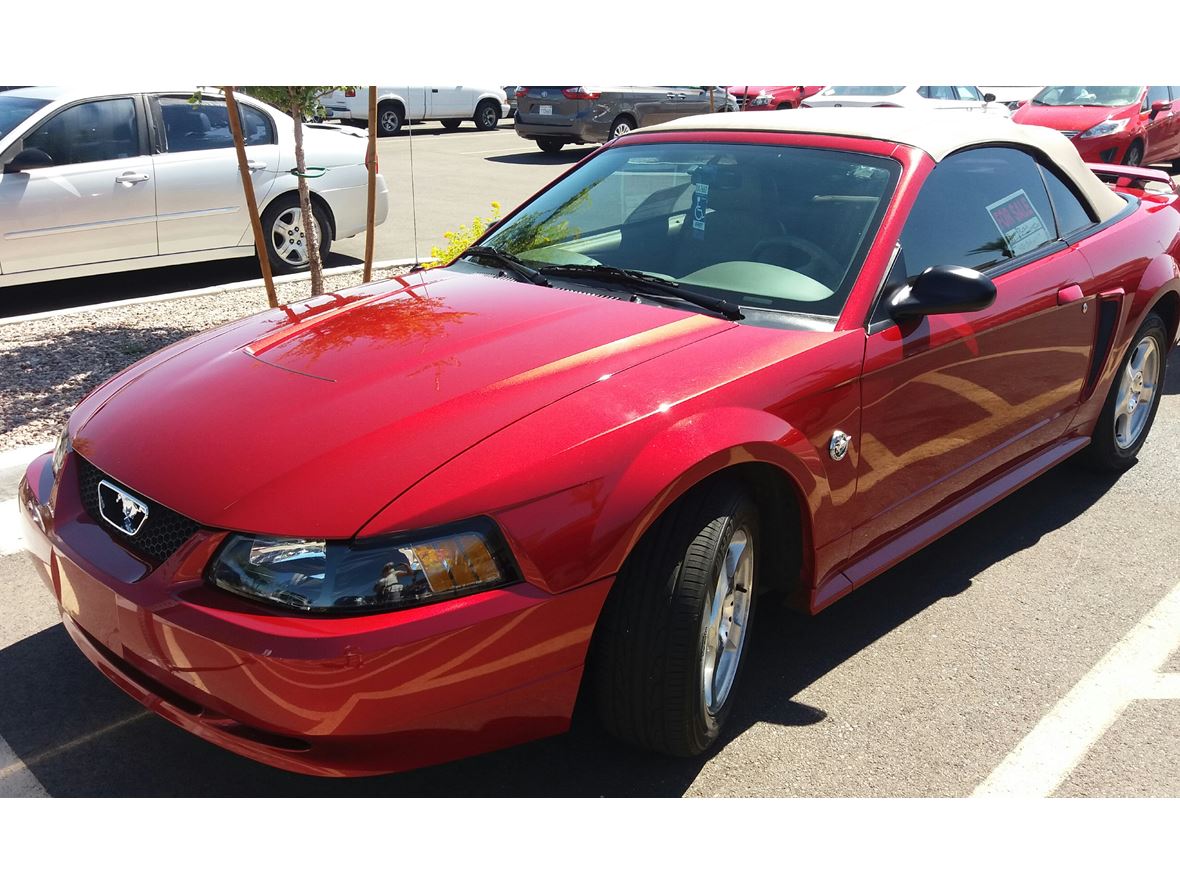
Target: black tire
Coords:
[[622, 124], [451, 123], [487, 115], [273, 239], [1134, 155], [1105, 452], [649, 652], [390, 118], [550, 145]]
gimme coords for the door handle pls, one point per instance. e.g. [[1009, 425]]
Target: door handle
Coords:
[[131, 177], [255, 165], [1070, 295]]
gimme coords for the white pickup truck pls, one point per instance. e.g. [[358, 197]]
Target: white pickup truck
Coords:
[[483, 105]]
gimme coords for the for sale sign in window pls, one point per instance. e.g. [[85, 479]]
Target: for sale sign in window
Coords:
[[1019, 223]]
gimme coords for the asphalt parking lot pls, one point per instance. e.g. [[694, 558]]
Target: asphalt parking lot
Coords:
[[1033, 651], [1021, 631], [456, 175]]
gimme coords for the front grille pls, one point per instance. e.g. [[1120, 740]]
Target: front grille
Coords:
[[162, 533]]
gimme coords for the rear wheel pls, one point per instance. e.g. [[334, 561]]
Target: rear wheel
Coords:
[[1134, 155], [287, 245], [621, 126], [674, 631], [1133, 400], [451, 123], [487, 115], [550, 145]]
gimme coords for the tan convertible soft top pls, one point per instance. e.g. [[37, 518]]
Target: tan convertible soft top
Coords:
[[938, 133]]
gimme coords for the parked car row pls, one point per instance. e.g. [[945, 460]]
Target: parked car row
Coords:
[[97, 183], [485, 106]]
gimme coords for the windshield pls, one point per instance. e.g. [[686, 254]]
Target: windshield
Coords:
[[863, 90], [762, 226], [1088, 96], [14, 110]]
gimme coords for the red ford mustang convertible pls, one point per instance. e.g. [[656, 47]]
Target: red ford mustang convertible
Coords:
[[726, 357]]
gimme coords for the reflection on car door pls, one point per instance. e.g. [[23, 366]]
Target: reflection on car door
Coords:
[[1161, 129], [949, 399], [199, 188], [95, 203]]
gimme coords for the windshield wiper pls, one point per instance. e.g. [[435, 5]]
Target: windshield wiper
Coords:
[[521, 270], [649, 284]]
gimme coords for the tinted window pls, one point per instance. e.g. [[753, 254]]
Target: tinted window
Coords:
[[1157, 93], [977, 209], [205, 126], [89, 132], [1071, 213], [969, 93], [942, 93], [15, 110]]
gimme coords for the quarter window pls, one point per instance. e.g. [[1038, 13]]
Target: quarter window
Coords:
[[978, 209], [1072, 215], [89, 133]]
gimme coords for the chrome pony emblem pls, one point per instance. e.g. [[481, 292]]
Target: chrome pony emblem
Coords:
[[838, 447], [121, 509]]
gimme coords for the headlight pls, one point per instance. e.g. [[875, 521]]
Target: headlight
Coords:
[[338, 577], [1109, 127], [61, 450], [762, 100]]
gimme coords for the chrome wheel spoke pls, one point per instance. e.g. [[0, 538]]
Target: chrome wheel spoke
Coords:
[[725, 621]]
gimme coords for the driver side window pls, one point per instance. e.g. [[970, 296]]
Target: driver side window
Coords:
[[978, 209], [89, 132]]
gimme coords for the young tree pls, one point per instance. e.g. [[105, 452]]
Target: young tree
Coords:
[[300, 102]]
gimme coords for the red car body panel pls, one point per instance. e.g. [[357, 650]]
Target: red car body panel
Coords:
[[782, 97], [573, 422], [1157, 133]]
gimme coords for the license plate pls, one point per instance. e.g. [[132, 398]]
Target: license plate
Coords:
[[545, 110]]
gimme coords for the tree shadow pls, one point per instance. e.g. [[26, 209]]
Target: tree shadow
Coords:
[[82, 737]]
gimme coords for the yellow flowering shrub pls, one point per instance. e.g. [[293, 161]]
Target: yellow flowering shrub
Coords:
[[458, 241]]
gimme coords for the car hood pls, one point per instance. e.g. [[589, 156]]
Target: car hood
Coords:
[[1067, 118], [309, 419]]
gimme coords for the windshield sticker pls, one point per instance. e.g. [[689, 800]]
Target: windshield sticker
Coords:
[[700, 205], [1019, 223]]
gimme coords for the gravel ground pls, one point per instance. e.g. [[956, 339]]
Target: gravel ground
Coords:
[[48, 365]]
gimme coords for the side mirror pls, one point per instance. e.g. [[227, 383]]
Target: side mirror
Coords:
[[944, 288], [1159, 107], [989, 97], [29, 158]]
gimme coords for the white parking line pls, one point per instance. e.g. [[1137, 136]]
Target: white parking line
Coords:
[[16, 780], [1128, 672], [11, 536]]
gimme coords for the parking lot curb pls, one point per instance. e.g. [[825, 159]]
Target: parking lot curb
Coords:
[[207, 290]]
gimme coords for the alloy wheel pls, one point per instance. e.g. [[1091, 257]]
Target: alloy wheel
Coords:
[[1137, 390], [290, 237], [726, 618]]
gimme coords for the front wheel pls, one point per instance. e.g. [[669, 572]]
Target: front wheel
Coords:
[[1133, 400], [1134, 155], [487, 116], [675, 629]]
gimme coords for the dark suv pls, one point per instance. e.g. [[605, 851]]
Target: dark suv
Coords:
[[554, 116]]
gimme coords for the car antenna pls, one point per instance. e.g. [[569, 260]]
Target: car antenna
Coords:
[[413, 196]]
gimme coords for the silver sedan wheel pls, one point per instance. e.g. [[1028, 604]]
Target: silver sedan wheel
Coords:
[[726, 619], [621, 128], [290, 237], [1137, 392]]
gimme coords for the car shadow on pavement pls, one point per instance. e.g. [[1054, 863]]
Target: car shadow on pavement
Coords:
[[81, 736], [60, 294], [1172, 375], [536, 157]]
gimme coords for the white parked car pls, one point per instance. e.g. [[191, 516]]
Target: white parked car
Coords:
[[939, 98], [99, 183], [484, 105]]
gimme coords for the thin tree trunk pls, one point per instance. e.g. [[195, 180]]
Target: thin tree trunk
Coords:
[[308, 224], [235, 127]]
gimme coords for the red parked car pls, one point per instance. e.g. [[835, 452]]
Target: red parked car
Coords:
[[1131, 125], [716, 359], [771, 98]]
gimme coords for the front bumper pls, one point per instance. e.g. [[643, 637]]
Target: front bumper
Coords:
[[1105, 148], [326, 696]]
